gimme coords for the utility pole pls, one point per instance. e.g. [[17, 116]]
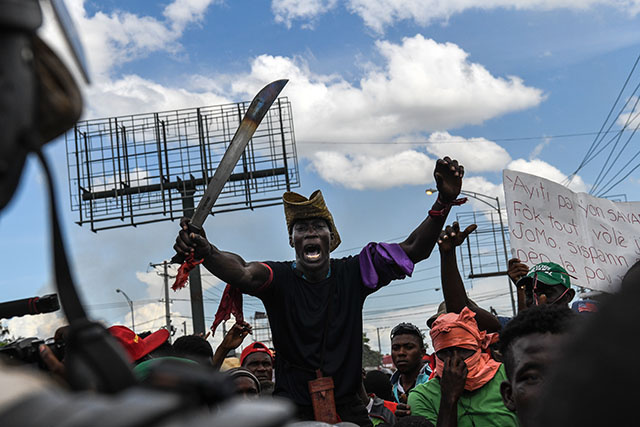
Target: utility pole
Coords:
[[195, 280], [167, 302], [184, 327], [379, 346], [167, 308]]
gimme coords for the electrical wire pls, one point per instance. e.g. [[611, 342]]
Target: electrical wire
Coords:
[[607, 185], [602, 173], [595, 141], [454, 140]]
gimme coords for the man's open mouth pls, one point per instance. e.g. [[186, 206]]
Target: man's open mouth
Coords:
[[312, 252]]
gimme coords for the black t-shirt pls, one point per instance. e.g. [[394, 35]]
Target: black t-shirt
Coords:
[[297, 312]]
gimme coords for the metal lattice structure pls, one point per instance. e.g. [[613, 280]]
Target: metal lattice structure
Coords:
[[144, 168], [483, 253], [261, 328]]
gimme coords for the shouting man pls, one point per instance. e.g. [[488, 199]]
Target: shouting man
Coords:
[[314, 303]]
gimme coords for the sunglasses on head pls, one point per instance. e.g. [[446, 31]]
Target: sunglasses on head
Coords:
[[405, 328]]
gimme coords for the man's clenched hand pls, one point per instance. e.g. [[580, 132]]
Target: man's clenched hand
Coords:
[[517, 270], [448, 175], [189, 242]]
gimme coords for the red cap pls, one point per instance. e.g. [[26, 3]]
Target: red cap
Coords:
[[135, 346], [256, 347]]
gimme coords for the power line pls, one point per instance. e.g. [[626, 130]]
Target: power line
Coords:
[[595, 142], [150, 321], [602, 192], [624, 177], [454, 140], [602, 175], [487, 296], [405, 293], [112, 305]]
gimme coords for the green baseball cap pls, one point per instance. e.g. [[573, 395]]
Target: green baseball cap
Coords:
[[548, 273]]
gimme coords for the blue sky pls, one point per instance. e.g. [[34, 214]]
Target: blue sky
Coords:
[[420, 79]]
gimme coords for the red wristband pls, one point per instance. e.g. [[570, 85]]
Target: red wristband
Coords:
[[446, 207]]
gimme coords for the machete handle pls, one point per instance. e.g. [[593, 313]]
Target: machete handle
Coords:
[[178, 258]]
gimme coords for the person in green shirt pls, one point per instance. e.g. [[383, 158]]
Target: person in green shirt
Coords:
[[466, 388]]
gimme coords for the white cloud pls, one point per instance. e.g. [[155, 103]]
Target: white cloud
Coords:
[[286, 11], [538, 148], [475, 154], [41, 325], [422, 86], [483, 187], [363, 171], [132, 94], [630, 118], [112, 39], [180, 13], [378, 14], [545, 170]]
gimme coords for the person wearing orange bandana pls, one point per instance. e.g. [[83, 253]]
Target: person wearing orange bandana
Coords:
[[466, 388]]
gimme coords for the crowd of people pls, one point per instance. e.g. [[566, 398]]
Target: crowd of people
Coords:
[[537, 368], [484, 370]]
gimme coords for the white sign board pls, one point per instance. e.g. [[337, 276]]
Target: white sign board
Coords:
[[595, 240]]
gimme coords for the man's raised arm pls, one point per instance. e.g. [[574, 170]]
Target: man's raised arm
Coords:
[[455, 296], [448, 175], [226, 266]]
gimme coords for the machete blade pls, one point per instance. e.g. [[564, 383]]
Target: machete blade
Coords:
[[254, 115]]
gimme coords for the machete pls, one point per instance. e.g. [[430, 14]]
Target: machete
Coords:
[[254, 115]]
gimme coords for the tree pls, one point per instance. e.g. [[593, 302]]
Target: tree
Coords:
[[4, 335], [370, 358]]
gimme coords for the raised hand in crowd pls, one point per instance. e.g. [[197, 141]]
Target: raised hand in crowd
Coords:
[[236, 335], [451, 387], [231, 341], [517, 270], [448, 175], [455, 296], [451, 237]]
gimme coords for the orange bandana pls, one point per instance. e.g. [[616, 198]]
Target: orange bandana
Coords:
[[461, 330]]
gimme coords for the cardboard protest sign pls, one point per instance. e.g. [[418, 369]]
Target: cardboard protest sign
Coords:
[[595, 240]]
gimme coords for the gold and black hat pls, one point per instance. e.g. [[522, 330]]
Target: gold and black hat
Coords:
[[297, 207]]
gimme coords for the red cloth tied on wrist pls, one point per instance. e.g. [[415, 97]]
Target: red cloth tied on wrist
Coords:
[[230, 303], [183, 272], [461, 330], [447, 206]]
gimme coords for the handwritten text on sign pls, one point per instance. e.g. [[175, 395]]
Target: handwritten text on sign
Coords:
[[595, 240]]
